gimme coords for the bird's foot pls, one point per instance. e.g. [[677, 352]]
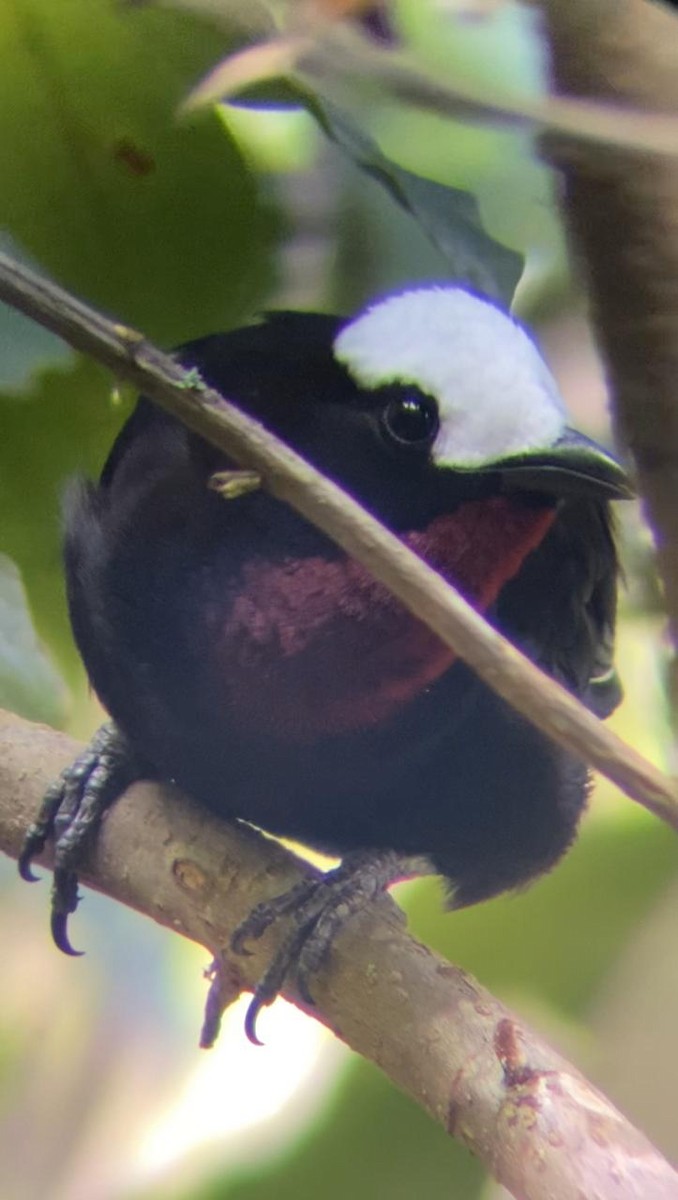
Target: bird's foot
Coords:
[[70, 816], [320, 908]]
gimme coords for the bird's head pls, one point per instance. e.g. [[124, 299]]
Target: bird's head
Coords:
[[473, 394]]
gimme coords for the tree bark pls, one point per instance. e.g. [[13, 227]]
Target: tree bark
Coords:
[[621, 209], [533, 1119]]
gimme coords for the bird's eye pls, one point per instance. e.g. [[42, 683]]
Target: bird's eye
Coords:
[[411, 420]]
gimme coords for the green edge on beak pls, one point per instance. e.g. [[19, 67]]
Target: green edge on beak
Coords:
[[574, 464]]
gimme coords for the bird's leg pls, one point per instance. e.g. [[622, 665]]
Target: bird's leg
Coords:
[[71, 814], [319, 909]]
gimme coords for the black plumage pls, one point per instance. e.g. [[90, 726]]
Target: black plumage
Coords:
[[242, 656]]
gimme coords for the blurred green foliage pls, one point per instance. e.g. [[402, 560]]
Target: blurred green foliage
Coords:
[[181, 229], [154, 220], [29, 684], [372, 1141], [63, 426]]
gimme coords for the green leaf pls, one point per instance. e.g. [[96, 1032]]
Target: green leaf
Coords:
[[450, 217], [156, 221], [29, 683]]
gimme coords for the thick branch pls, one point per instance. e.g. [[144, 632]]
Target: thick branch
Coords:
[[536, 1123], [292, 479], [622, 210]]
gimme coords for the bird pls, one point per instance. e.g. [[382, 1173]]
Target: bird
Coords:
[[246, 657]]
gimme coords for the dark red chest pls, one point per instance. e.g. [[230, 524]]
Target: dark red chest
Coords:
[[314, 646]]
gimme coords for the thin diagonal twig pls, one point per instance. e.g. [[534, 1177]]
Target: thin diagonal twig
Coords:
[[290, 478]]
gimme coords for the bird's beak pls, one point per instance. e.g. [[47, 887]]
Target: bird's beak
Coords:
[[574, 464]]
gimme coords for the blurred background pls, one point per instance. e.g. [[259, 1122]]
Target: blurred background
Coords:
[[186, 227]]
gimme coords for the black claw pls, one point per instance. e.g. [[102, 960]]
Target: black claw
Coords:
[[70, 815], [251, 929], [40, 830], [255, 1007], [266, 913], [31, 847], [319, 909], [65, 900], [225, 987], [255, 925], [238, 940], [304, 989], [59, 927]]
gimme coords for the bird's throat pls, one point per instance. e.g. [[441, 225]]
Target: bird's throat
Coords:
[[316, 646]]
